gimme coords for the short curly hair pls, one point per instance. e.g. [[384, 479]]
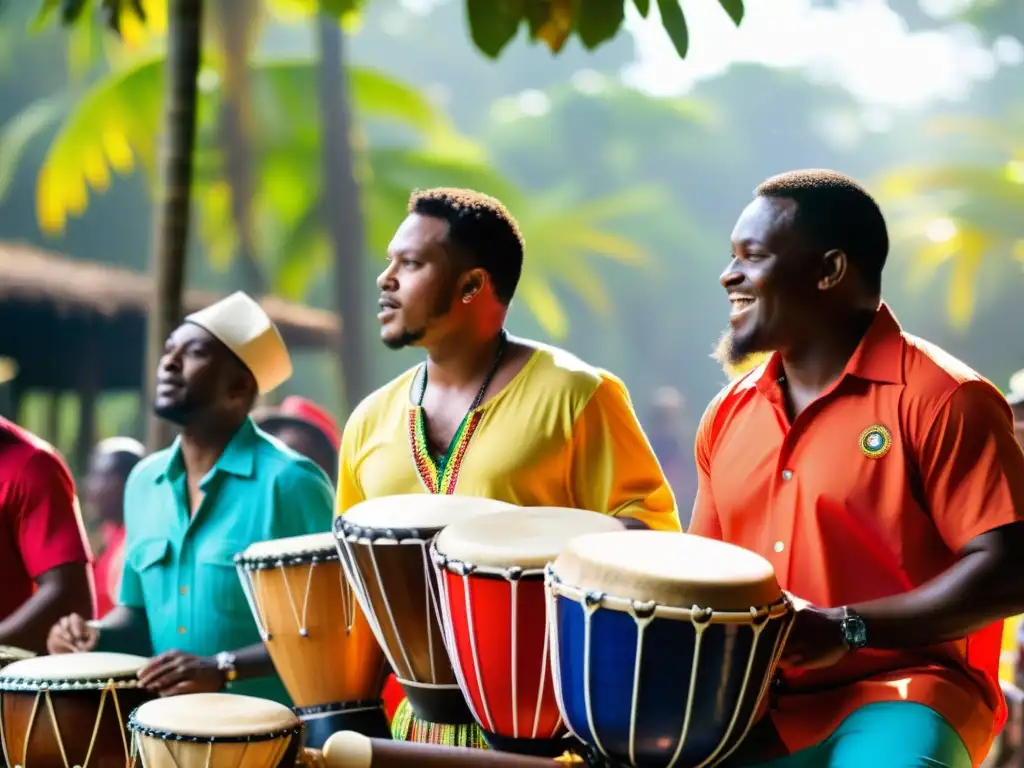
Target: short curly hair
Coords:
[[481, 228], [836, 212]]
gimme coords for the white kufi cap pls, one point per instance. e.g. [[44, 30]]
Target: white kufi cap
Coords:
[[244, 327]]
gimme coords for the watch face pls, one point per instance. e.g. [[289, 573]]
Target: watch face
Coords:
[[854, 631]]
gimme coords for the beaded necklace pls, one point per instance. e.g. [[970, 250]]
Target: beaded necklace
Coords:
[[440, 476]]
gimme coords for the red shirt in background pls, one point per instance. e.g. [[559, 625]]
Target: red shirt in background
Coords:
[[41, 523], [108, 569]]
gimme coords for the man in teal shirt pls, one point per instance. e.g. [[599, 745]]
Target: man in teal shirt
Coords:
[[190, 508]]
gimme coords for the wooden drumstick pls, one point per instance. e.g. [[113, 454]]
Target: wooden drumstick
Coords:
[[348, 749]]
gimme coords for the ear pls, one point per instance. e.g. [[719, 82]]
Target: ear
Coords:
[[833, 269], [472, 283]]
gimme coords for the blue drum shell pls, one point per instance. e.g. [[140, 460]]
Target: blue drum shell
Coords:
[[665, 678]]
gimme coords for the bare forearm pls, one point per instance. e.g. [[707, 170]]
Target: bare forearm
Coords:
[[976, 591], [125, 630], [66, 589], [253, 661]]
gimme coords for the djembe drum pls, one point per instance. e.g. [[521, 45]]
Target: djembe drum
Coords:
[[214, 730], [10, 654], [383, 545], [664, 644], [318, 638], [491, 578], [69, 710]]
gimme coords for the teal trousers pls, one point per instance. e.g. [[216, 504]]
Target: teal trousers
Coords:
[[898, 734]]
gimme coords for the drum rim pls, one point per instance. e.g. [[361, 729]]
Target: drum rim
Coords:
[[345, 530], [302, 557], [461, 567], [778, 609], [61, 684], [146, 730]]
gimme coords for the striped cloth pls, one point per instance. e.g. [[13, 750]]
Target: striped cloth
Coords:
[[405, 726]]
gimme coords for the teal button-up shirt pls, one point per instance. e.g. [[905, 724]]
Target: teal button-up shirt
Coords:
[[180, 569]]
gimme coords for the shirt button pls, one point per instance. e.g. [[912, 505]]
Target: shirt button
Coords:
[[779, 546], [183, 590], [787, 474], [181, 630]]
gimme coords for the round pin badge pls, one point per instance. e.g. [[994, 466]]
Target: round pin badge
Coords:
[[875, 441]]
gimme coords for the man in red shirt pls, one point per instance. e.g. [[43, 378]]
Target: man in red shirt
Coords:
[[881, 479], [44, 554], [103, 496]]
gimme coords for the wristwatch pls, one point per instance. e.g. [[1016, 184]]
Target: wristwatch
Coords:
[[226, 666], [855, 634]]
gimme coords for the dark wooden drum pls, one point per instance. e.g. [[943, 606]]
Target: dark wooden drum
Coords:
[[383, 546], [69, 710]]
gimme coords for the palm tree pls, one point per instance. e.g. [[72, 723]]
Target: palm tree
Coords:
[[963, 216]]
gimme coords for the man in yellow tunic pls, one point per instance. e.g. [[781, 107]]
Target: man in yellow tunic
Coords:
[[488, 414]]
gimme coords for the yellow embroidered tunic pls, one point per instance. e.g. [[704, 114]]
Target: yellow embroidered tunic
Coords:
[[561, 433]]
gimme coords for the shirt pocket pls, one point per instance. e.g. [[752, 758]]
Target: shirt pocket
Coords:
[[149, 559], [218, 579]]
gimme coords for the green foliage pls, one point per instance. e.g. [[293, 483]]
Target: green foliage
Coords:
[[494, 24], [961, 216]]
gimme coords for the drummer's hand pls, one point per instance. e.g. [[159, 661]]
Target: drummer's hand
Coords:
[[176, 672], [72, 634], [816, 639]]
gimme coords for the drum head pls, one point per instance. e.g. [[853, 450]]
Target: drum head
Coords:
[[293, 548], [527, 537], [672, 569], [9, 654], [418, 511], [214, 716], [76, 669]]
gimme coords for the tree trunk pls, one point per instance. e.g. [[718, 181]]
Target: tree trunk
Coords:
[[341, 210], [237, 26], [171, 226]]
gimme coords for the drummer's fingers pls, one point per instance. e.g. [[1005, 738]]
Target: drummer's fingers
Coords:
[[157, 667], [170, 676], [77, 627]]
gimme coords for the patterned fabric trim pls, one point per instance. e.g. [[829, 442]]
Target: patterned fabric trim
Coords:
[[440, 479], [407, 727]]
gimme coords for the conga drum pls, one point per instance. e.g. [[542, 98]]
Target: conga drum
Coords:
[[317, 636], [214, 730], [383, 545], [664, 645], [69, 710], [491, 578]]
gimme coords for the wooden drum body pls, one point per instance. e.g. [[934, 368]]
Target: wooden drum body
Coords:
[[491, 579], [664, 645], [383, 545], [316, 634], [69, 710], [214, 730]]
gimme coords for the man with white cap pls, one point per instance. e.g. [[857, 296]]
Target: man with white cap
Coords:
[[190, 508]]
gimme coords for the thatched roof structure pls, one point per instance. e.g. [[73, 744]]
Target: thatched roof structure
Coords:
[[54, 310]]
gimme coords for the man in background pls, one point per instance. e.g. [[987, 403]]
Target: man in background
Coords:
[[111, 462], [44, 553], [306, 428]]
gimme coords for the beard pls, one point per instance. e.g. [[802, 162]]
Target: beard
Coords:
[[408, 337], [738, 354], [180, 413]]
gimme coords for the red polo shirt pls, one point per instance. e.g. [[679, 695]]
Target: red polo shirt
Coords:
[[870, 492], [42, 526]]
